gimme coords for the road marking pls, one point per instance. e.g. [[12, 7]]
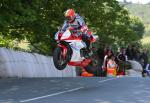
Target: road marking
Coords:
[[106, 80], [54, 94]]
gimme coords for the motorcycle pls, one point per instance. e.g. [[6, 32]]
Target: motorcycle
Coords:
[[71, 50]]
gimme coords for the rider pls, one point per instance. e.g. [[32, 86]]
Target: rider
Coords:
[[76, 22]]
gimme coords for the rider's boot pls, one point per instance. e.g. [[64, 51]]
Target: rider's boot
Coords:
[[88, 53]]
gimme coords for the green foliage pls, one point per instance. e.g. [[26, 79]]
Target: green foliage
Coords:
[[141, 11], [6, 42], [37, 21], [137, 26]]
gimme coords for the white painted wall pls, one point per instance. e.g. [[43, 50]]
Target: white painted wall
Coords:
[[136, 70], [22, 64]]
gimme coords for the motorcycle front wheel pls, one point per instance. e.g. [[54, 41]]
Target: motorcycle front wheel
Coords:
[[59, 61]]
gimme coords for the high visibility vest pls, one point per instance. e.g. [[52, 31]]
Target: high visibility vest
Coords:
[[111, 68]]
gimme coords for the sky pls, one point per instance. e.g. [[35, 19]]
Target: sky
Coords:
[[137, 1]]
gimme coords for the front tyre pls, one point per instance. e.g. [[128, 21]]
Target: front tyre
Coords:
[[59, 61]]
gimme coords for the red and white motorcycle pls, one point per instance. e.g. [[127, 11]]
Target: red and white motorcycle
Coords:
[[71, 51]]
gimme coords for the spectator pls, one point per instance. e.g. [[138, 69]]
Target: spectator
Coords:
[[134, 51], [122, 58], [102, 52], [144, 60], [122, 55], [111, 67], [129, 52], [136, 54], [106, 58], [144, 56]]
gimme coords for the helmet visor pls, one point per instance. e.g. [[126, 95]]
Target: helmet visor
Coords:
[[68, 18]]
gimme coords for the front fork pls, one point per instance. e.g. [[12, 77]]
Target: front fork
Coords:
[[64, 50]]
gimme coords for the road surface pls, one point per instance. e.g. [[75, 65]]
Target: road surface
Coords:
[[75, 90]]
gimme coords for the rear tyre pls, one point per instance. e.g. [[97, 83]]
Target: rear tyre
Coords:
[[59, 61]]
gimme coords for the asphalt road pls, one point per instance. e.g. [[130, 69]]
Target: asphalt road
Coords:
[[75, 90]]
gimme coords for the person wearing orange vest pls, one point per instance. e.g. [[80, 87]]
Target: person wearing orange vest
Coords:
[[111, 67]]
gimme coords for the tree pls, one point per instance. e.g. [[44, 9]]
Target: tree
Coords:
[[137, 26], [37, 21], [109, 20]]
